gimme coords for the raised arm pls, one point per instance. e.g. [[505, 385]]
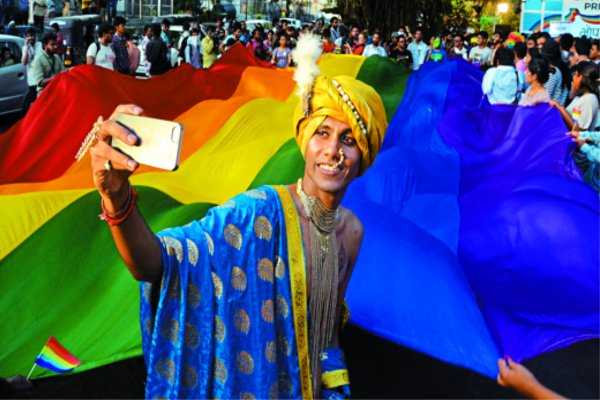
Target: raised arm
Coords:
[[111, 169]]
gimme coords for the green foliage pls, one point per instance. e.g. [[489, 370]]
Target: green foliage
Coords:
[[431, 15]]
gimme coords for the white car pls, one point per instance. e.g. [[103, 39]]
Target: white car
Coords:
[[13, 78], [251, 24], [294, 23]]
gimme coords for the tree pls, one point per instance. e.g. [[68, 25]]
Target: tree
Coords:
[[389, 15], [433, 16]]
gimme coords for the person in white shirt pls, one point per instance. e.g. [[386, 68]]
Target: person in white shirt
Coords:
[[182, 41], [193, 49], [375, 48], [582, 112], [142, 46], [418, 48], [481, 54], [459, 49], [28, 55], [40, 7], [502, 84], [100, 53]]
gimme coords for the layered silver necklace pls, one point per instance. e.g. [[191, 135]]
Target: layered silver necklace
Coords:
[[323, 277]]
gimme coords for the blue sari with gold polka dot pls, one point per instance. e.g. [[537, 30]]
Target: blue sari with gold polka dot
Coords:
[[228, 317]]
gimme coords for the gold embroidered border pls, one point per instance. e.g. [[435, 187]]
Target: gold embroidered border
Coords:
[[298, 285], [333, 379]]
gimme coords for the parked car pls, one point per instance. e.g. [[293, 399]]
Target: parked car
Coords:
[[293, 22], [251, 24], [13, 78]]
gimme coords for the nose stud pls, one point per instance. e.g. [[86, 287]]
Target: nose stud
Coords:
[[342, 158]]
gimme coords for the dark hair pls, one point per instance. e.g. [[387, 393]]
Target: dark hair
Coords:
[[484, 35], [589, 83], [534, 52], [55, 26], [583, 46], [155, 30], [195, 30], [596, 42], [119, 21], [104, 28], [545, 35], [551, 52], [186, 26], [566, 41], [539, 67], [504, 56], [48, 37], [327, 32], [235, 26], [31, 32], [166, 22], [520, 50], [502, 35], [146, 27], [333, 19]]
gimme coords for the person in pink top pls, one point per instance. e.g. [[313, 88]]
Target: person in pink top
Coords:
[[134, 55]]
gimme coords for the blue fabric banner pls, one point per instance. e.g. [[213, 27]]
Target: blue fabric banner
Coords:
[[481, 240]]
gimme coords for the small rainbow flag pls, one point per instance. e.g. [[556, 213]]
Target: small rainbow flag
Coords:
[[55, 357]]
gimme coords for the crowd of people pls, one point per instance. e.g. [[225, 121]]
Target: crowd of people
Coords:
[[562, 71]]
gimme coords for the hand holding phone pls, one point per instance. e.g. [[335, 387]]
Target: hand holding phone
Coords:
[[159, 141]]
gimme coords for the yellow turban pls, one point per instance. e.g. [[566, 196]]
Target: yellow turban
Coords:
[[327, 100]]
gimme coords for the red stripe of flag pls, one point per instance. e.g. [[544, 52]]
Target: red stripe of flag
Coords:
[[61, 351]]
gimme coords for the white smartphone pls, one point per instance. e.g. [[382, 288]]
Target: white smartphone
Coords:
[[159, 144]]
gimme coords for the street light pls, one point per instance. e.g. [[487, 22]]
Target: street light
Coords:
[[502, 8]]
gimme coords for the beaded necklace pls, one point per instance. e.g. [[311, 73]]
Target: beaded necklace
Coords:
[[323, 277]]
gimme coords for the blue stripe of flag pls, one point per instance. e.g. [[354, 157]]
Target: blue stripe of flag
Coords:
[[52, 367]]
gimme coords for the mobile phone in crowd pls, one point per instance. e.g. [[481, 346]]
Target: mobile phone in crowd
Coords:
[[160, 141]]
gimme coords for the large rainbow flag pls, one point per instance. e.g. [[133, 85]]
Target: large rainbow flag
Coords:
[[467, 216], [59, 271]]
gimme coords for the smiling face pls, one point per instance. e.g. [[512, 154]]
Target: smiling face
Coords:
[[327, 172]]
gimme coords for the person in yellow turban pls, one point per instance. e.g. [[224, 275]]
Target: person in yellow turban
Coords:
[[248, 301]]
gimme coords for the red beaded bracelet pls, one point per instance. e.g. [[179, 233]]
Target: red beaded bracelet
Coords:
[[120, 216]]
